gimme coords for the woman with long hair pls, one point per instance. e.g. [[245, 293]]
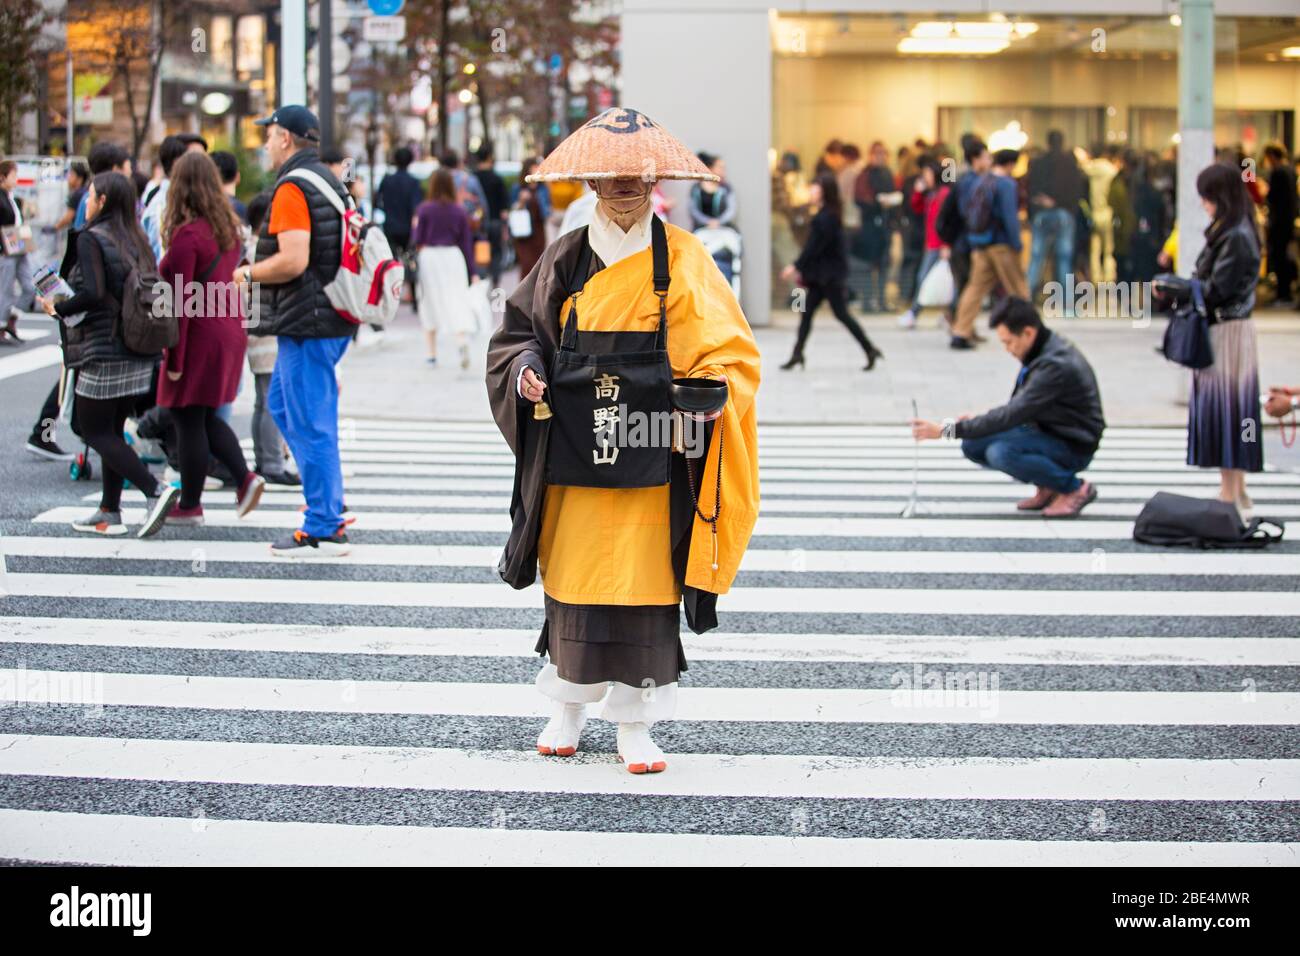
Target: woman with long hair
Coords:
[[822, 268], [444, 245], [109, 376], [201, 234], [1223, 425]]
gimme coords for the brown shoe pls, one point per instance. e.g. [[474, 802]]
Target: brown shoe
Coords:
[[1069, 505], [1042, 498]]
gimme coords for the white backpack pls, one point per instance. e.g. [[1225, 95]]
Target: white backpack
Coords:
[[368, 286]]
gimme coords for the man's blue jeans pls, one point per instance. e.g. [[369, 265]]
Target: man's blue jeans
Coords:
[[1054, 227], [1030, 455], [304, 401]]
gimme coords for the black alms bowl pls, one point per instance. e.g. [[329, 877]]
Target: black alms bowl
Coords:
[[699, 395]]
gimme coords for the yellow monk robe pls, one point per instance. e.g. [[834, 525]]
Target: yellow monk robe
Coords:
[[612, 546]]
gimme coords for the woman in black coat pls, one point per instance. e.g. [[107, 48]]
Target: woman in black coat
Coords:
[[821, 269], [110, 377], [1223, 425]]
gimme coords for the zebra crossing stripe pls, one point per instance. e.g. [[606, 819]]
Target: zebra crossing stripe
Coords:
[[1006, 491], [1061, 652], [197, 549], [975, 701], [30, 360], [694, 775], [1022, 527], [198, 840], [814, 600]]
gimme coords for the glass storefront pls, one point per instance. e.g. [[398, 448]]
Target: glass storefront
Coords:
[[917, 82]]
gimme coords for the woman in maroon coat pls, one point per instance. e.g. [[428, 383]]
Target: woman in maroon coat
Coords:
[[202, 371], [529, 249]]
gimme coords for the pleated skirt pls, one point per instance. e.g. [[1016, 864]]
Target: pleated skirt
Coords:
[[1223, 415]]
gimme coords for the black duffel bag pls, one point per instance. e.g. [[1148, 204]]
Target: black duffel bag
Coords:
[[1180, 521]]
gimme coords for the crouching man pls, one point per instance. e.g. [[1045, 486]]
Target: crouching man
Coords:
[[1049, 430]]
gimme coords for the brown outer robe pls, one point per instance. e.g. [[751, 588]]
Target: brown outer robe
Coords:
[[529, 335]]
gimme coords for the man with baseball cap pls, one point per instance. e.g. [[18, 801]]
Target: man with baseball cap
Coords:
[[298, 254]]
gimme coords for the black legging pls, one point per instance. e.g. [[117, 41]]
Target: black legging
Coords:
[[200, 434], [101, 421], [834, 294]]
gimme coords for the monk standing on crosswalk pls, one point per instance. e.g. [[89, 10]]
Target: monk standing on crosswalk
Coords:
[[585, 380]]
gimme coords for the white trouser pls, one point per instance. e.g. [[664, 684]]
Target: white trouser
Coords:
[[624, 704]]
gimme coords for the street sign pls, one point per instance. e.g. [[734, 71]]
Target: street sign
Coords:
[[94, 110], [385, 8], [383, 29]]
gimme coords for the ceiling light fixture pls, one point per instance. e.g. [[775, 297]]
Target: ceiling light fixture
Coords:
[[964, 37], [952, 45]]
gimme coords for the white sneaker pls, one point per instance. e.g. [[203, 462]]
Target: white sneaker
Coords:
[[907, 320], [638, 751], [159, 507], [101, 522], [559, 738]]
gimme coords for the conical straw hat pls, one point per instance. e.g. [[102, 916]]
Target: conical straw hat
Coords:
[[620, 143]]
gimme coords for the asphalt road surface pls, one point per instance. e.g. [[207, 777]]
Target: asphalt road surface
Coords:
[[969, 685]]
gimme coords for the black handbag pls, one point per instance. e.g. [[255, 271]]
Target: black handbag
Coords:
[[1187, 336]]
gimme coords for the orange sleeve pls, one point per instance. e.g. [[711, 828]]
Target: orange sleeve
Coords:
[[289, 210]]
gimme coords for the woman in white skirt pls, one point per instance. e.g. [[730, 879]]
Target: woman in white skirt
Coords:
[[1223, 427], [444, 245]]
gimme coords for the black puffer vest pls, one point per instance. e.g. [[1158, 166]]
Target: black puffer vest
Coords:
[[299, 308], [98, 337]]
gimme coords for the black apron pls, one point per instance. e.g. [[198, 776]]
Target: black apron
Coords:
[[610, 394]]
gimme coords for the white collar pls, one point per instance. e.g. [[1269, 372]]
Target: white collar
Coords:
[[611, 243]]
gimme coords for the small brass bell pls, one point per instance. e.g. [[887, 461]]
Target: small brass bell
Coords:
[[541, 412]]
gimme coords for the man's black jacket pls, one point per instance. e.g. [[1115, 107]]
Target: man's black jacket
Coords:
[[1057, 391]]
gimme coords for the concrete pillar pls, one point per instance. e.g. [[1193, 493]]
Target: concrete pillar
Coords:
[[705, 73], [1195, 124], [293, 53]]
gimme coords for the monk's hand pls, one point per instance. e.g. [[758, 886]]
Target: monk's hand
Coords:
[[532, 387], [923, 430], [1279, 401]]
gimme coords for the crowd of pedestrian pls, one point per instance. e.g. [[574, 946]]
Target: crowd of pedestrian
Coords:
[[237, 283], [1100, 214]]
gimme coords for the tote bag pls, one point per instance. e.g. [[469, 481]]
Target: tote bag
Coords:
[[521, 223]]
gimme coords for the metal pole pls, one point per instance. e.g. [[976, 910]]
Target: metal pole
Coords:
[[443, 29], [72, 112], [293, 52], [1195, 124], [325, 57]]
